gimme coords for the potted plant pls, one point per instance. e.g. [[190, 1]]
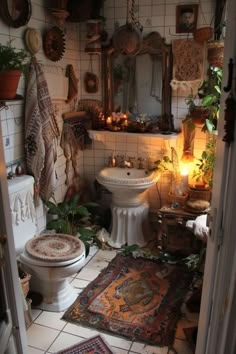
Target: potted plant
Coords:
[[12, 64], [203, 174], [203, 108], [70, 217]]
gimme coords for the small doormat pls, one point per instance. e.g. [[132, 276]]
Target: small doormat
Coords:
[[93, 345], [134, 297]]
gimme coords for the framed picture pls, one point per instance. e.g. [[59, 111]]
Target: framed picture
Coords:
[[186, 18]]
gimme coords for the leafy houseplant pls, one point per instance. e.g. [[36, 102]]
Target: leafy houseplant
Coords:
[[203, 108], [71, 218], [205, 167], [12, 64]]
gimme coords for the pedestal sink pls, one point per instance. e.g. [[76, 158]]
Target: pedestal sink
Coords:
[[129, 204]]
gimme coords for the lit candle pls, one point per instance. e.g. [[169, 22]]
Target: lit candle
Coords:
[[109, 120], [184, 175], [126, 123]]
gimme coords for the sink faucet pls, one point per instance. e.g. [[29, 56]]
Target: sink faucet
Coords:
[[141, 163], [125, 162], [129, 163]]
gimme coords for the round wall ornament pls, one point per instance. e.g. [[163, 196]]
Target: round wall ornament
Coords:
[[33, 40], [54, 44]]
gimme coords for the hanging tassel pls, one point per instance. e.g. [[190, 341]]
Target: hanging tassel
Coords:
[[230, 114]]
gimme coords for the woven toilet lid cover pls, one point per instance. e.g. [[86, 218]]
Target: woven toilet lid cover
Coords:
[[54, 247]]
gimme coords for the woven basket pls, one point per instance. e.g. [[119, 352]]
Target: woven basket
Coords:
[[202, 34], [215, 54], [25, 284]]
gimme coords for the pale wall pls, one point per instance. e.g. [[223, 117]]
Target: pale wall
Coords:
[[154, 15]]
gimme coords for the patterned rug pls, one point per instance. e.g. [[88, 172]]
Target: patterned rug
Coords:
[[134, 297], [93, 345]]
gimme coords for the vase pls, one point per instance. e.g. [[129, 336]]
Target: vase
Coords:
[[8, 84]]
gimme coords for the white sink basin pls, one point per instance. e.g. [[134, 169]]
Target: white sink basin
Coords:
[[129, 205], [124, 179]]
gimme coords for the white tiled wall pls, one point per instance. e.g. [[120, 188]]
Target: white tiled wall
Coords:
[[12, 119], [154, 15]]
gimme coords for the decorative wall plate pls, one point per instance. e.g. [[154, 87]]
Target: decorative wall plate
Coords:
[[16, 13], [33, 40], [54, 44]]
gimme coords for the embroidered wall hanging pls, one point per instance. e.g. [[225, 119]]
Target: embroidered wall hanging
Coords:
[[188, 64]]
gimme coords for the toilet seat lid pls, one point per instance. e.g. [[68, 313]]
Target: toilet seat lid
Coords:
[[54, 247]]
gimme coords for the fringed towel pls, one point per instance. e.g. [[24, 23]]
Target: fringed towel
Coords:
[[41, 130], [74, 138], [188, 68]]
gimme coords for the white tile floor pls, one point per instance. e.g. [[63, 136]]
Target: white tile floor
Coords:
[[49, 334]]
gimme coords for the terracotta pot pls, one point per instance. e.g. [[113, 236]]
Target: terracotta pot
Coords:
[[8, 84], [215, 54], [199, 115], [202, 34]]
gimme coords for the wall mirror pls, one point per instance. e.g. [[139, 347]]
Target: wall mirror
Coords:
[[16, 13], [140, 84]]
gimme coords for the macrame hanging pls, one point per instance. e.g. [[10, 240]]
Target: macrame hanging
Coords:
[[188, 65], [127, 39]]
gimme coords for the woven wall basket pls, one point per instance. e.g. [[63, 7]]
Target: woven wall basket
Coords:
[[215, 53], [203, 34]]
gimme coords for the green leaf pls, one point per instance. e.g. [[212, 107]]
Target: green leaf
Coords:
[[52, 208], [210, 126], [59, 225], [82, 211], [73, 202], [86, 233], [91, 204]]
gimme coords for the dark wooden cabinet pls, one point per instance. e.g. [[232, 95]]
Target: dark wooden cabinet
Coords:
[[173, 235]]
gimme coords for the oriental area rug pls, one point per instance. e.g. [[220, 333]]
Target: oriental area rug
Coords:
[[134, 297], [95, 345]]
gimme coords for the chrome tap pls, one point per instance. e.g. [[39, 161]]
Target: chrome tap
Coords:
[[112, 161], [129, 163], [141, 163]]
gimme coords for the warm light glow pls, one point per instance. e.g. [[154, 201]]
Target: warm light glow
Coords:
[[109, 120], [125, 116], [187, 157], [126, 122], [184, 171]]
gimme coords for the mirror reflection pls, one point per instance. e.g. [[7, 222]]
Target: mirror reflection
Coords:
[[140, 85], [14, 7]]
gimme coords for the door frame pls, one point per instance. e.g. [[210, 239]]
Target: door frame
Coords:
[[217, 322]]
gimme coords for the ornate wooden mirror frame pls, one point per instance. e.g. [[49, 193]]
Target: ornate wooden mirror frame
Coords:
[[154, 45], [16, 13]]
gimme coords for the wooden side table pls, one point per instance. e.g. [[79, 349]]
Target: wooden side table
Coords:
[[173, 235]]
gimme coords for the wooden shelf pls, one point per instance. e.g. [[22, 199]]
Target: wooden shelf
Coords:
[[96, 134], [5, 103]]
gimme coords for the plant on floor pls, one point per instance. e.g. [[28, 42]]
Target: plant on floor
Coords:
[[203, 107], [70, 217]]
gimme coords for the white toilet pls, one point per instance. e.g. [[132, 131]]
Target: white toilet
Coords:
[[51, 259]]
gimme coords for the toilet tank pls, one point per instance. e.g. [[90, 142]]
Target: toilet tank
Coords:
[[23, 213]]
